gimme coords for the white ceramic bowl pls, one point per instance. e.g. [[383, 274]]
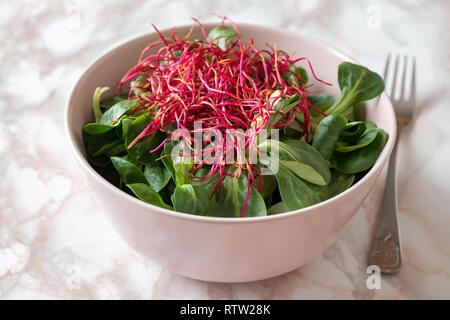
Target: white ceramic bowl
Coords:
[[224, 249]]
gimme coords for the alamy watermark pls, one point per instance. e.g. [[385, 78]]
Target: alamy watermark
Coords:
[[73, 20], [374, 280], [373, 21], [70, 272]]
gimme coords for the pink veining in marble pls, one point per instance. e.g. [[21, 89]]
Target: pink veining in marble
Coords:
[[54, 243]]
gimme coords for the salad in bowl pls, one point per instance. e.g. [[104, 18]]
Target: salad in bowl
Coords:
[[229, 153], [216, 127]]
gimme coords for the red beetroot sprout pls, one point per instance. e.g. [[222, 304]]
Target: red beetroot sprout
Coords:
[[187, 81]]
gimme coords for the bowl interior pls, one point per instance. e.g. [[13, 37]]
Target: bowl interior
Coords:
[[111, 67]]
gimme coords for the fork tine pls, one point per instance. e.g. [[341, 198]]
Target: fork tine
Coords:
[[386, 68], [402, 86], [412, 95], [394, 81]]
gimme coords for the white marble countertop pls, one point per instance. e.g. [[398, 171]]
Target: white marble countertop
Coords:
[[56, 244]]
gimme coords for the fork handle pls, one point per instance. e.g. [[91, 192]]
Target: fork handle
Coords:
[[385, 251]]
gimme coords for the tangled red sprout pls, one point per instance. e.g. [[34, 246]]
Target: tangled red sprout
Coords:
[[186, 81]]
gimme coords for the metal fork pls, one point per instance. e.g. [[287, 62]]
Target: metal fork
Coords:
[[386, 250]]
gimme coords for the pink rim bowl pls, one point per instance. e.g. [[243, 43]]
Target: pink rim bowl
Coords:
[[224, 249]]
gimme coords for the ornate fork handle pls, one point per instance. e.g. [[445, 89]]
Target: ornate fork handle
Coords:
[[386, 250]]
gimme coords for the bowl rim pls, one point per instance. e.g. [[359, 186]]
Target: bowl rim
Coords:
[[381, 161]]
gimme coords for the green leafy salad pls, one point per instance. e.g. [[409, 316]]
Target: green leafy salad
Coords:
[[219, 128]]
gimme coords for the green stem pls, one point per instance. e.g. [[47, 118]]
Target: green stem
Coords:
[[96, 102]]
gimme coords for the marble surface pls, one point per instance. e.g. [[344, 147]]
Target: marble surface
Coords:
[[56, 244]]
